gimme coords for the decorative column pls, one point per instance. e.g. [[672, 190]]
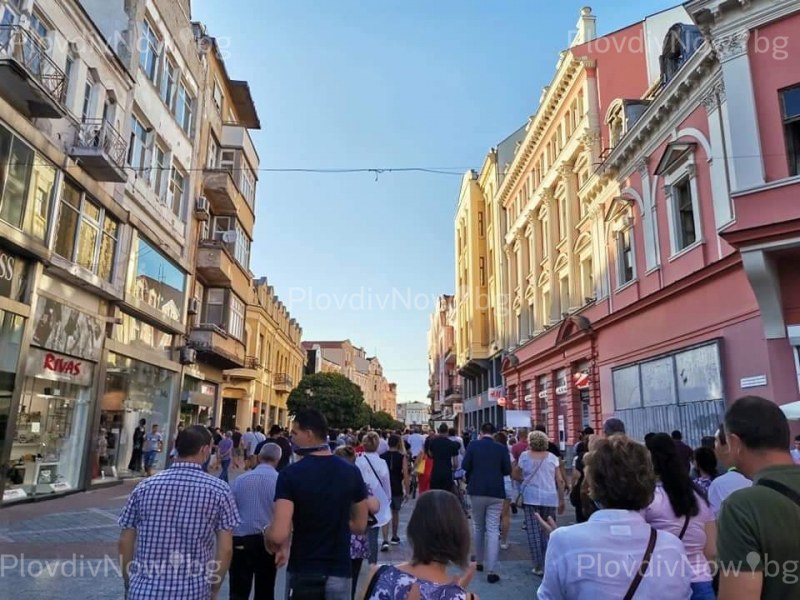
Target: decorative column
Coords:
[[741, 117], [600, 263], [552, 220], [508, 296], [720, 194], [571, 185], [651, 252], [536, 269]]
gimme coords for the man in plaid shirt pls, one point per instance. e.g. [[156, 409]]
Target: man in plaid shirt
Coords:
[[170, 525]]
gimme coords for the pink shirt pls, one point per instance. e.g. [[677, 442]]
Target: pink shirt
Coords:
[[661, 516]]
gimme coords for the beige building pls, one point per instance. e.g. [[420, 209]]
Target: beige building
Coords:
[[274, 364], [445, 390], [352, 362]]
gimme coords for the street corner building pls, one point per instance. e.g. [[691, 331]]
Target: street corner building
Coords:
[[628, 251], [127, 203]]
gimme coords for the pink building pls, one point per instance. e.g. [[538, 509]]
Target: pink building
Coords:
[[697, 299], [445, 388]]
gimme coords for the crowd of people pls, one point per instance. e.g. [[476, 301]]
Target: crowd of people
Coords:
[[654, 518]]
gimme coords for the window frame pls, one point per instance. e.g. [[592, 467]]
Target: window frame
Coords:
[[177, 206], [791, 124], [184, 107], [154, 45], [623, 232], [682, 173], [217, 91], [169, 82], [85, 220], [144, 161]]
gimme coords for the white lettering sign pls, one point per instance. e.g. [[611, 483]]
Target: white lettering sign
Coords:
[[752, 382], [15, 494]]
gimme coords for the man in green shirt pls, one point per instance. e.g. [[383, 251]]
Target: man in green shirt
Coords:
[[758, 545]]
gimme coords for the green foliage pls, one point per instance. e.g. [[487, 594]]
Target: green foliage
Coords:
[[335, 396], [383, 420]]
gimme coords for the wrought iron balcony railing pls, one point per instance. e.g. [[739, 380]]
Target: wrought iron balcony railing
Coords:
[[20, 44], [100, 134]]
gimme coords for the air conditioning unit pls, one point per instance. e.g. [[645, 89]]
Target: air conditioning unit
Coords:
[[194, 306], [229, 237], [201, 208], [188, 355]]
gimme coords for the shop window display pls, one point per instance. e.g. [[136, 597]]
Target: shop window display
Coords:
[[134, 390], [47, 450]]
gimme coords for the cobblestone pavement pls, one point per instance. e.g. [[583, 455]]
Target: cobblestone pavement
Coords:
[[67, 547]]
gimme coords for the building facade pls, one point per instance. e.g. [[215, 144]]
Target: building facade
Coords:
[[95, 257], [443, 378], [256, 394], [223, 217], [414, 414], [351, 361], [656, 290]]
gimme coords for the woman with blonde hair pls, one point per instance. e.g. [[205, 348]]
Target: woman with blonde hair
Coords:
[[541, 487], [375, 472]]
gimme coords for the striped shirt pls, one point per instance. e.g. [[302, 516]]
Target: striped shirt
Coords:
[[254, 493], [176, 514]]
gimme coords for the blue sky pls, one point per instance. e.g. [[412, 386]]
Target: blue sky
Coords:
[[381, 84]]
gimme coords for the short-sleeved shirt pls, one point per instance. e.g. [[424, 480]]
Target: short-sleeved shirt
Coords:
[[152, 441], [323, 490], [538, 486], [286, 450], [442, 450], [661, 516], [225, 448], [723, 486], [760, 522], [394, 460], [176, 515]]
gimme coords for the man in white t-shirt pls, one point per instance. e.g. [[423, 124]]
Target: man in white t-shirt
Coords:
[[417, 442], [724, 485], [258, 437]]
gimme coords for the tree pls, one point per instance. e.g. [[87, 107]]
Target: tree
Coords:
[[383, 420], [335, 396]]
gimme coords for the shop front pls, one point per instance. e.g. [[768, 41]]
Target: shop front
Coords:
[[197, 401]]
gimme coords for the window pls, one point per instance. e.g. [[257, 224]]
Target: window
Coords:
[[149, 51], [168, 83], [213, 153], [587, 278], [790, 103], [545, 236], [684, 217], [229, 231], [218, 96], [482, 270], [215, 307], [27, 186], [85, 234], [177, 188], [69, 75], [87, 112], [236, 322], [183, 108], [563, 288], [137, 149], [160, 173], [480, 223], [562, 218], [247, 185], [157, 281], [625, 264]]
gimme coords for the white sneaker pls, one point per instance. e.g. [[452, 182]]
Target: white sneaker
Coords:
[[503, 546]]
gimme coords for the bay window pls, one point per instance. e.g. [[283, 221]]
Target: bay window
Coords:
[[229, 231], [85, 233], [226, 310]]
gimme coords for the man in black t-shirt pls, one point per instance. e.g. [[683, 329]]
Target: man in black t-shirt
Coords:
[[276, 437], [443, 451], [319, 501]]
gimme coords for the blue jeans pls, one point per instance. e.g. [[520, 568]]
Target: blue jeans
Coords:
[[150, 459], [226, 462], [703, 590]]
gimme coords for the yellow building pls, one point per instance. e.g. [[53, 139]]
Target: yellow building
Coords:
[[351, 361], [274, 364], [222, 216]]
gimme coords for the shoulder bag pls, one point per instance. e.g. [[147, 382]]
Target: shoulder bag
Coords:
[[685, 527], [373, 519], [651, 544], [781, 488], [520, 501]]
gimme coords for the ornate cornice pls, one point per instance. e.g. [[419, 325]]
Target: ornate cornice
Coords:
[[589, 139], [732, 45], [566, 170]]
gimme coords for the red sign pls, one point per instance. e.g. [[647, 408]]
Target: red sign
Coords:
[[501, 401], [62, 366], [582, 381]]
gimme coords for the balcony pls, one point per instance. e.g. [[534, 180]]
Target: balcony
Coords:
[[221, 187], [32, 82], [101, 151], [282, 382], [453, 394], [215, 347], [216, 267], [252, 366]]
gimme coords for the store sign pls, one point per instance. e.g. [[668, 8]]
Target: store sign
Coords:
[[64, 329], [543, 394], [528, 399], [751, 382], [582, 381], [561, 390], [501, 401], [13, 276], [495, 393], [61, 486], [57, 367], [458, 409]]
